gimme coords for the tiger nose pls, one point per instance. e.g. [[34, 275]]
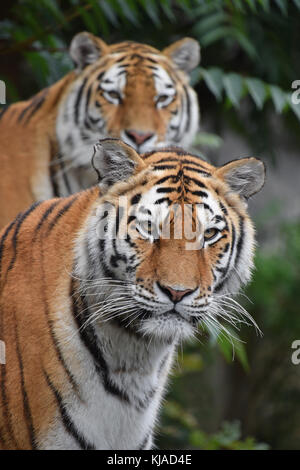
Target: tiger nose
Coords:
[[174, 294], [138, 137]]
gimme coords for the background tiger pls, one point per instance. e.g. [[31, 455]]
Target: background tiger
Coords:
[[127, 90], [93, 303]]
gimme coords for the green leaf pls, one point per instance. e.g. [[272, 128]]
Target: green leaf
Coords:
[[233, 84], [252, 5], [282, 4], [208, 140], [209, 22], [257, 90], [231, 346], [53, 8], [213, 78], [215, 35], [151, 9], [110, 13], [88, 20], [241, 354], [129, 13], [168, 11], [265, 4], [245, 44], [279, 97], [297, 3]]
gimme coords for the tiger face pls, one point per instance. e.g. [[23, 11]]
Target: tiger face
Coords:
[[172, 242], [129, 91]]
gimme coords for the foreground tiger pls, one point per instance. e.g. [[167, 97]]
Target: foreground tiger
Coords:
[[95, 298], [127, 90]]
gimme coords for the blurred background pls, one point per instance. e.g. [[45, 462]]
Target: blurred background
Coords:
[[250, 58]]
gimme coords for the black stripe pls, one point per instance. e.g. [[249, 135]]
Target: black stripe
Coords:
[[54, 182], [233, 235], [164, 167], [206, 206], [190, 179], [168, 190], [196, 170], [26, 406], [44, 218], [193, 162], [223, 208], [78, 99], [19, 221], [166, 160], [135, 199], [89, 339], [36, 106], [60, 213], [3, 111], [163, 199], [66, 419], [3, 238], [65, 176], [240, 242], [165, 178], [199, 193]]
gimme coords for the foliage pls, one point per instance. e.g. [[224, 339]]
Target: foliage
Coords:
[[181, 426], [275, 286]]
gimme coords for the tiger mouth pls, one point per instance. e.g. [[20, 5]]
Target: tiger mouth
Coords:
[[191, 319]]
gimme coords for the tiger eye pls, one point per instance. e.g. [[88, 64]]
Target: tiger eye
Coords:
[[114, 95], [161, 98], [210, 233]]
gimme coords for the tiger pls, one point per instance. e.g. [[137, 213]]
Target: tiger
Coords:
[[97, 289], [126, 90]]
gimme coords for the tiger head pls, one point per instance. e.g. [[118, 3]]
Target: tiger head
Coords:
[[129, 91], [171, 239]]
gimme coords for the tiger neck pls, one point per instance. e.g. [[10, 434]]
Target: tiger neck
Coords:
[[134, 366]]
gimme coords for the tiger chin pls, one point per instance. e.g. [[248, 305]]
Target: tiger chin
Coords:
[[126, 90], [98, 288]]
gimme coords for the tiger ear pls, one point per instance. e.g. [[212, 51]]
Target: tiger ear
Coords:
[[85, 49], [115, 161], [184, 53], [245, 176]]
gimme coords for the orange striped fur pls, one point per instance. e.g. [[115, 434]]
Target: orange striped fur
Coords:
[[49, 249]]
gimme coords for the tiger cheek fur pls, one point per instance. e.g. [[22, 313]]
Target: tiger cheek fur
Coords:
[[92, 328]]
